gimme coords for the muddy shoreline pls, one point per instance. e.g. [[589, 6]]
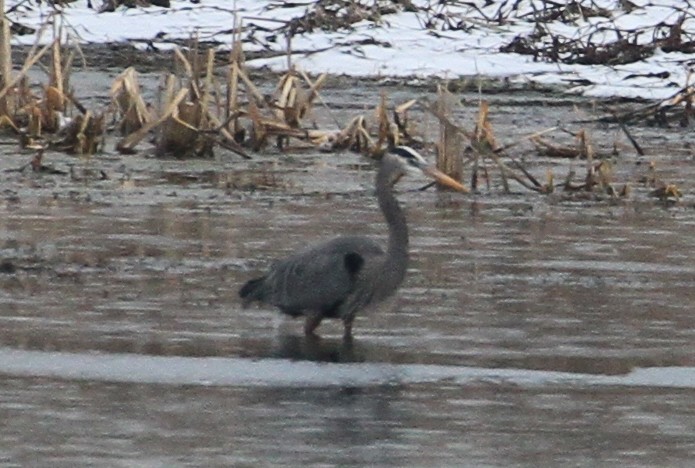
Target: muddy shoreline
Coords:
[[120, 55]]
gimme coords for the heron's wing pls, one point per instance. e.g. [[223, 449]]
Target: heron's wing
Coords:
[[321, 277]]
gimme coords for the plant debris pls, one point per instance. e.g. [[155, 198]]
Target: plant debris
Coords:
[[210, 102]]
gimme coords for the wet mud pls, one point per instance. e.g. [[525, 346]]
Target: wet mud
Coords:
[[531, 330]]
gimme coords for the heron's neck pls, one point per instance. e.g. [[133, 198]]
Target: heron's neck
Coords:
[[397, 253]]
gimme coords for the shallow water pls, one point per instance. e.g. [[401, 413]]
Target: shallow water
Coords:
[[530, 330]]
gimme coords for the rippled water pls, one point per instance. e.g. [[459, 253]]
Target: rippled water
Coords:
[[530, 330]]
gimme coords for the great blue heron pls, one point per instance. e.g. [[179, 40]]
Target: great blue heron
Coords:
[[340, 277]]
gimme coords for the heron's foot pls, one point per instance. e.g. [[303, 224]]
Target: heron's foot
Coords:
[[311, 323]]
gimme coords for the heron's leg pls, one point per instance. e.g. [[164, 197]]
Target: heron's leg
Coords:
[[347, 323], [311, 322]]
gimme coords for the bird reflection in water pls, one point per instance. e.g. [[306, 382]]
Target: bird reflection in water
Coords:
[[314, 348]]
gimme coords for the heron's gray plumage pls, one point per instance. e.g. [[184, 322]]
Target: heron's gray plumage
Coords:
[[316, 278], [338, 278]]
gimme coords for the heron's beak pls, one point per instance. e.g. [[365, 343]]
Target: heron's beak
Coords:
[[443, 179]]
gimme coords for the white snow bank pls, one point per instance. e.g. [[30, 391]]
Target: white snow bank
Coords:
[[401, 44]]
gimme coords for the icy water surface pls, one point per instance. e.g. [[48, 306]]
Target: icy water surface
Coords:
[[526, 333], [530, 331]]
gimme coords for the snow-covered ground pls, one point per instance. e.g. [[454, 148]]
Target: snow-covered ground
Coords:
[[448, 41]]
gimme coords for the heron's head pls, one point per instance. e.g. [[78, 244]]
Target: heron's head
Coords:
[[401, 160]]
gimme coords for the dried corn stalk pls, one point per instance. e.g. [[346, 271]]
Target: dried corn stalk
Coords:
[[128, 102], [450, 146], [13, 107], [180, 133], [293, 102], [400, 119], [484, 137], [128, 143], [82, 135], [5, 59]]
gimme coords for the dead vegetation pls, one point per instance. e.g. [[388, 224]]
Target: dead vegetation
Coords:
[[202, 107], [50, 117], [479, 149], [596, 36]]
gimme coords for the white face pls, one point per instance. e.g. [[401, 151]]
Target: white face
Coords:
[[403, 159], [410, 160]]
